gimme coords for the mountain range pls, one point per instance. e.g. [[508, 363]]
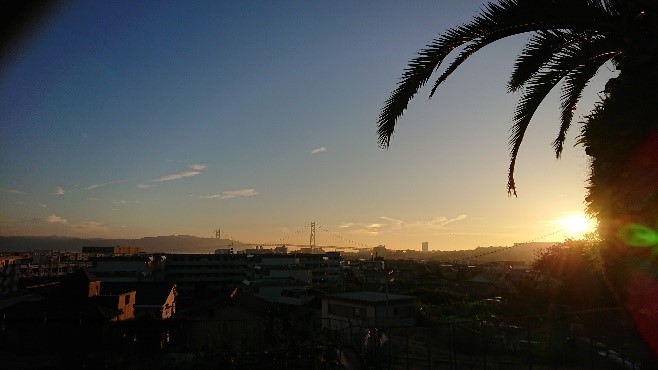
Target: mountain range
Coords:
[[170, 244]]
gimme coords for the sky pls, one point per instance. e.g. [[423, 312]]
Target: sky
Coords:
[[132, 119]]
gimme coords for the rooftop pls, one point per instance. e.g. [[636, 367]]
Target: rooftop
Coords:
[[370, 297], [148, 293]]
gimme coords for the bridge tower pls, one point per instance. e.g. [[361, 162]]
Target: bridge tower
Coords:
[[312, 241]]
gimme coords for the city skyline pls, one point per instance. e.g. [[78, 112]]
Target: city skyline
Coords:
[[124, 120]]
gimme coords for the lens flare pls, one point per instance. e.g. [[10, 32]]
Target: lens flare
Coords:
[[636, 235]]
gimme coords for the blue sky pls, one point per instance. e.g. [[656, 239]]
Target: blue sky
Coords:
[[159, 118]]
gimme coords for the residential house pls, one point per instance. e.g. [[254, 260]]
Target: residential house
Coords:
[[153, 299], [358, 310], [229, 321]]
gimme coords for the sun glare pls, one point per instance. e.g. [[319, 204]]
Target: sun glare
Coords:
[[577, 225]]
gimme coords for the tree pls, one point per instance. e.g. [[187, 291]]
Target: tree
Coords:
[[576, 265], [570, 41]]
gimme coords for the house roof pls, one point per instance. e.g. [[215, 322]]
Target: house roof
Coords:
[[148, 293], [81, 275], [138, 258], [233, 297], [248, 300], [106, 306], [370, 297]]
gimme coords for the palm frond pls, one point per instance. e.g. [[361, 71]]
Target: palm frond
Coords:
[[615, 7], [538, 52], [579, 60], [535, 92], [595, 54], [496, 21]]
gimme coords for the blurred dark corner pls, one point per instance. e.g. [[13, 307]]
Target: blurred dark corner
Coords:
[[19, 20]]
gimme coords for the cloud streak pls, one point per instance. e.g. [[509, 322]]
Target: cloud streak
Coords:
[[178, 176], [11, 191], [90, 228], [319, 150], [197, 167], [126, 202], [394, 225], [96, 186], [230, 194], [435, 223], [58, 191], [362, 228], [195, 170], [54, 219]]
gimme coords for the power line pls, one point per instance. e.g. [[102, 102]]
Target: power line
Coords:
[[510, 247], [321, 227]]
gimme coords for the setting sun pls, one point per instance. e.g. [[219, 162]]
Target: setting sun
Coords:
[[577, 225]]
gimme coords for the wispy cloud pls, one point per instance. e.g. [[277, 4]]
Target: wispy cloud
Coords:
[[435, 223], [319, 150], [197, 167], [393, 225], [230, 194], [92, 199], [144, 186], [196, 170], [178, 176], [62, 226], [11, 191], [125, 202], [58, 191], [96, 186], [90, 228], [54, 219], [361, 228], [43, 205]]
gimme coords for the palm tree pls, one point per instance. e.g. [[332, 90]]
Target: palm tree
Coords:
[[570, 41]]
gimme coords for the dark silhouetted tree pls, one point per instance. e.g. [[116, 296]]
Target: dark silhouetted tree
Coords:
[[570, 40], [576, 266]]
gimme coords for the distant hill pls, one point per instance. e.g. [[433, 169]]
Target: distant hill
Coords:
[[171, 244], [519, 252], [526, 252]]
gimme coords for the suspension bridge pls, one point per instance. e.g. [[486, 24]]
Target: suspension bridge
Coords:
[[347, 243], [295, 239]]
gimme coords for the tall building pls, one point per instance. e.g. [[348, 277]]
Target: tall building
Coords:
[[426, 247]]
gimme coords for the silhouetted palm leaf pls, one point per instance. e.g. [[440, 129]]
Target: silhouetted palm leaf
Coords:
[[571, 40]]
